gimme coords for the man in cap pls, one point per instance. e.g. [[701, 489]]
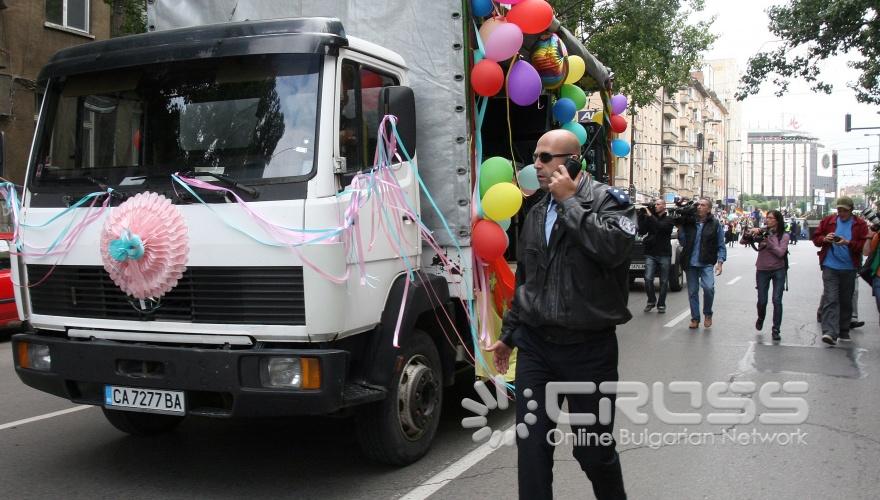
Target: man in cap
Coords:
[[840, 238]]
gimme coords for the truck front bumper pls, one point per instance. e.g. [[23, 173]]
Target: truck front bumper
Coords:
[[217, 382]]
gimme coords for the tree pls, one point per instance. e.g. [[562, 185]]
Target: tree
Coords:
[[872, 191], [128, 17], [812, 31], [648, 44]]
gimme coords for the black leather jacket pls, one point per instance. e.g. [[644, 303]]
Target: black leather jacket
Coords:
[[578, 284]]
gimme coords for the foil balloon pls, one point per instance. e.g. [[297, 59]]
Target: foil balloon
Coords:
[[549, 59]]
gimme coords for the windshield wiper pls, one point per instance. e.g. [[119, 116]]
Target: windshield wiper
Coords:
[[228, 181]]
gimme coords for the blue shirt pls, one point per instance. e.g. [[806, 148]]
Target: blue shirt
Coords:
[[551, 219], [838, 256]]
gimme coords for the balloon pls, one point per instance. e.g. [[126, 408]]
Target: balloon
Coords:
[[504, 42], [487, 78], [478, 56], [575, 94], [598, 117], [549, 57], [618, 124], [481, 8], [529, 192], [620, 147], [502, 201], [488, 240], [528, 178], [533, 16], [489, 26], [523, 84], [564, 110], [618, 104], [493, 171], [576, 68], [578, 130], [505, 224]]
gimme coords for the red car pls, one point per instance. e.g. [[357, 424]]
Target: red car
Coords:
[[8, 311]]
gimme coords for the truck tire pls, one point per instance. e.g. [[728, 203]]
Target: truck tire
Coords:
[[399, 430], [676, 278], [141, 424]]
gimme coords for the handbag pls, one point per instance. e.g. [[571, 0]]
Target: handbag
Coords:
[[869, 268]]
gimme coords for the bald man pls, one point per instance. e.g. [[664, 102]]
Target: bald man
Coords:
[[571, 293]]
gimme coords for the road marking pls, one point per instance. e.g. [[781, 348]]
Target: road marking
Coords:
[[678, 319], [456, 469], [734, 280], [18, 423]]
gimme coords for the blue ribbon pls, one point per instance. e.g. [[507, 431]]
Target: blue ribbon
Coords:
[[127, 247]]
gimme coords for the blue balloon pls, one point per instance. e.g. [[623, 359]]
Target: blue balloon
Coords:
[[578, 130], [564, 110], [481, 8], [528, 178], [620, 147]]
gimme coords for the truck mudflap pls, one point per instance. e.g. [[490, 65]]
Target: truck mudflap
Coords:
[[216, 382]]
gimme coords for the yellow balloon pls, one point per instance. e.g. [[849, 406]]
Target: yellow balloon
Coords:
[[576, 69], [502, 201], [598, 117]]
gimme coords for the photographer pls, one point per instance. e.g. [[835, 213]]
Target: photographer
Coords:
[[656, 225], [872, 252], [702, 241], [841, 239], [772, 246]]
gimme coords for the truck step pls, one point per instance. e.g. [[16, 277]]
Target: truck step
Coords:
[[361, 392]]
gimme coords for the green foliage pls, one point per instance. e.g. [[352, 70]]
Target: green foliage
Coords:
[[812, 31], [128, 17], [872, 191], [648, 44]]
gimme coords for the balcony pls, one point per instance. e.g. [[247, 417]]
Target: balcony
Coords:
[[670, 109], [670, 162], [670, 137], [684, 170]]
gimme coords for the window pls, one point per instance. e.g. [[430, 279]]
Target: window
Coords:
[[73, 14], [358, 113]]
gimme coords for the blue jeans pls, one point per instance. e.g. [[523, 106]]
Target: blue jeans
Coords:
[[696, 277], [877, 291], [651, 263], [763, 279]]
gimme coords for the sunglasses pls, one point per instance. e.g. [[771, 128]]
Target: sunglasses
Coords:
[[548, 157]]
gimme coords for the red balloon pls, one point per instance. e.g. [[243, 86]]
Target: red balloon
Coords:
[[487, 78], [488, 240], [532, 16], [618, 123]]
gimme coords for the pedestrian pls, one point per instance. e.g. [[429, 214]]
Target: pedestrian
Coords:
[[771, 266], [656, 224], [571, 291], [795, 231], [872, 252], [841, 239], [702, 240], [728, 234]]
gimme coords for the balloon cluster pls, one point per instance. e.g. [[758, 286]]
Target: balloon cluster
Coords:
[[500, 199], [618, 123]]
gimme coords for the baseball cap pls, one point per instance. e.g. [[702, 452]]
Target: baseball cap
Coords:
[[844, 202]]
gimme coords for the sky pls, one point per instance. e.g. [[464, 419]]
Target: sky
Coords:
[[741, 27]]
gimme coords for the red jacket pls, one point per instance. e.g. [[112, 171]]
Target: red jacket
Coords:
[[859, 235]]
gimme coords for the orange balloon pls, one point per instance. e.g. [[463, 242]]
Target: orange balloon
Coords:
[[489, 26], [532, 16], [487, 78]]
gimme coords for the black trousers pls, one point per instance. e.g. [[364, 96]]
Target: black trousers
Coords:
[[540, 361]]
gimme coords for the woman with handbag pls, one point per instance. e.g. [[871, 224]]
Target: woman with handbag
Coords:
[[772, 265]]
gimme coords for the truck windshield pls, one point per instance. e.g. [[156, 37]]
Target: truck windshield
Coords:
[[252, 118]]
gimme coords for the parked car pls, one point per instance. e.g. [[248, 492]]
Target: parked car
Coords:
[[8, 312]]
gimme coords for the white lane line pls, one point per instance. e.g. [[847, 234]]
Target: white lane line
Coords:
[[734, 280], [456, 469], [678, 319], [21, 422]]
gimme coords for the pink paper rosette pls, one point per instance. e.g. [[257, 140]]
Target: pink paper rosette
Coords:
[[145, 245]]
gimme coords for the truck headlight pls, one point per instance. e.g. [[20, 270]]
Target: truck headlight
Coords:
[[34, 356], [290, 372]]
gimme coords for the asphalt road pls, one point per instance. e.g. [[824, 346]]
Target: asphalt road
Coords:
[[78, 455]]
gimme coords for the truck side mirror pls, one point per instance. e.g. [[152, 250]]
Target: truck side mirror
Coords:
[[2, 154], [400, 102]]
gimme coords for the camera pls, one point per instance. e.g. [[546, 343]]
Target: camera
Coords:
[[748, 237], [872, 218], [683, 212]]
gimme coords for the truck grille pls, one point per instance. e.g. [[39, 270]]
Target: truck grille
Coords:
[[243, 295]]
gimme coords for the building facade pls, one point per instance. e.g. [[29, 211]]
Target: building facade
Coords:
[[31, 31]]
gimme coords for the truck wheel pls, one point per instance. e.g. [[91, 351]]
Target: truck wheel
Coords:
[[141, 424], [399, 429], [675, 281]]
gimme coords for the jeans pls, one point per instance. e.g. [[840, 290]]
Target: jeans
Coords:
[[696, 277], [763, 279], [837, 292], [877, 291], [651, 263]]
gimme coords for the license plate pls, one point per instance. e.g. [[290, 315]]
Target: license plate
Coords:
[[633, 267], [149, 400]]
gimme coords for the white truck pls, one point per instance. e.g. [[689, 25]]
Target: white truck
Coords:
[[280, 101]]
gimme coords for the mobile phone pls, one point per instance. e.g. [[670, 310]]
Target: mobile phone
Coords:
[[573, 166], [837, 238]]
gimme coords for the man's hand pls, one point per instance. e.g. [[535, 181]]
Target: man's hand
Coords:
[[502, 355], [718, 267], [561, 186], [842, 241], [829, 238], [755, 231]]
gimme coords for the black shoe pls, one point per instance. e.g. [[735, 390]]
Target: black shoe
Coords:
[[856, 324], [828, 339], [776, 334], [661, 309], [844, 336], [649, 307], [759, 324]]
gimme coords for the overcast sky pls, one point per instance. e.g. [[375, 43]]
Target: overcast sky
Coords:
[[741, 27]]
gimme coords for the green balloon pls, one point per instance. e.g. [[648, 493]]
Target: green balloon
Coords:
[[575, 94], [493, 171], [578, 130]]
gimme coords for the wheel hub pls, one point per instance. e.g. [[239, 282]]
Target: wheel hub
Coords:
[[418, 395]]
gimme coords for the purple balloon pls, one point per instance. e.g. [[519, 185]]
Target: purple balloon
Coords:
[[618, 104], [523, 84], [504, 42]]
